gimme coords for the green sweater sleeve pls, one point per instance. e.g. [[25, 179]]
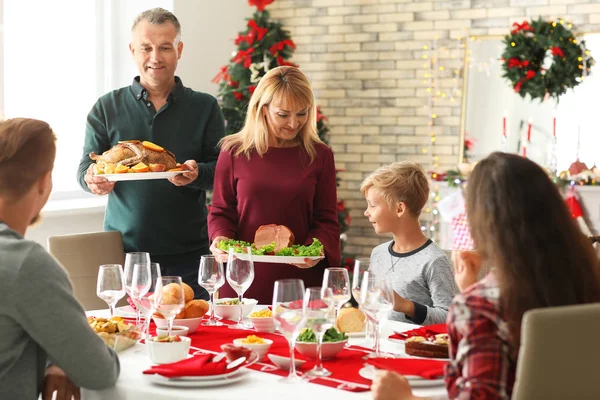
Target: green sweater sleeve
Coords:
[[214, 132], [96, 140], [53, 318]]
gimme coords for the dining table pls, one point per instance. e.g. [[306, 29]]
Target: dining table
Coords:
[[132, 384]]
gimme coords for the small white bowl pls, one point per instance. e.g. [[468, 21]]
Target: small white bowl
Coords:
[[260, 348], [190, 323], [176, 330], [231, 312], [328, 350], [168, 352], [284, 362], [263, 324]]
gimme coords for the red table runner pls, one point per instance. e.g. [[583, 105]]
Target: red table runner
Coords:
[[344, 367]]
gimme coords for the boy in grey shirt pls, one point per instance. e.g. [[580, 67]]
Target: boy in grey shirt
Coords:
[[41, 323], [420, 272]]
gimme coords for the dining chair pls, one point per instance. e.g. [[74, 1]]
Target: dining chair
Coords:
[[81, 255], [559, 356]]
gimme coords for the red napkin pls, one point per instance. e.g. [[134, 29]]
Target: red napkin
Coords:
[[196, 366], [425, 331], [428, 369]]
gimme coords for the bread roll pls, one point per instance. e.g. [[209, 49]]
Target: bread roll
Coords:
[[188, 292], [173, 290], [351, 320], [196, 308]]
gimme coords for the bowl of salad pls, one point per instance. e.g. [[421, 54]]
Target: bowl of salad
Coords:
[[229, 308], [333, 343]]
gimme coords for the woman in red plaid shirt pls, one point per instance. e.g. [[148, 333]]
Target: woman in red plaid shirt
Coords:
[[521, 226]]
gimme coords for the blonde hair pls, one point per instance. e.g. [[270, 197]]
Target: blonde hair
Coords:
[[27, 151], [281, 84], [402, 181]]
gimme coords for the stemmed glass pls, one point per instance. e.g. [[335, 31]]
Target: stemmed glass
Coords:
[[338, 281], [288, 315], [169, 298], [240, 274], [211, 278], [319, 312], [109, 286], [361, 265], [146, 301], [376, 301], [130, 260]]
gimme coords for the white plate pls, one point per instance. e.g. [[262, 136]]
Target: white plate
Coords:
[[125, 311], [369, 372], [277, 259], [190, 382], [140, 176]]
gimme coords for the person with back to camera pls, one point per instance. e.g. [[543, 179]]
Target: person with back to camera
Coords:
[[520, 225], [165, 219], [276, 170], [46, 343], [418, 269]]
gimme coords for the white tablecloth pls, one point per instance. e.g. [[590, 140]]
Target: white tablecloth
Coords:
[[133, 385]]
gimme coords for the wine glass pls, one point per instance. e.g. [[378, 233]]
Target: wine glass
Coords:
[[169, 298], [376, 301], [319, 311], [288, 316], [361, 265], [130, 260], [240, 274], [146, 302], [211, 278], [109, 286], [338, 281]]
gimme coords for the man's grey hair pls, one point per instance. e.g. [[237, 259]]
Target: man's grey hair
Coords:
[[158, 16]]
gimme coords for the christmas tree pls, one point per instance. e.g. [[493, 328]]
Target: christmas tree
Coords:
[[263, 45]]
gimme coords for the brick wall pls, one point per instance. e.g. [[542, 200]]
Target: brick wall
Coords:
[[365, 61]]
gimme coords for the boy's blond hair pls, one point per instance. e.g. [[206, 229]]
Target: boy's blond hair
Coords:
[[402, 181]]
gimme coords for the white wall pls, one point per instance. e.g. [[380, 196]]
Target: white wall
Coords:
[[208, 29]]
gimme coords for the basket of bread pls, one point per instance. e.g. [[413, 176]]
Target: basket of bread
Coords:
[[192, 313], [115, 332]]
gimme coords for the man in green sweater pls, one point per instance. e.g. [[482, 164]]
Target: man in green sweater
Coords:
[[165, 218], [46, 343]]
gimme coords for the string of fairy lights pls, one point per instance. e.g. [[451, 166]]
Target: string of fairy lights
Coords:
[[432, 54]]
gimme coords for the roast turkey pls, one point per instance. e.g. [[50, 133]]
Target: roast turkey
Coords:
[[133, 152]]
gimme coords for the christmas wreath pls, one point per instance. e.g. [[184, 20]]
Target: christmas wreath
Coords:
[[544, 59]]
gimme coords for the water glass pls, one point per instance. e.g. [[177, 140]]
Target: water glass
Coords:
[[211, 278], [338, 281], [169, 298], [288, 316], [146, 302], [130, 260], [109, 286], [319, 311], [240, 274], [376, 301], [361, 265]]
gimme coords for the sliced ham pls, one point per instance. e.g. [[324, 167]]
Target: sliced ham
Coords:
[[281, 235]]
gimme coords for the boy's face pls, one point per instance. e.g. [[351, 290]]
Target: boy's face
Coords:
[[382, 216]]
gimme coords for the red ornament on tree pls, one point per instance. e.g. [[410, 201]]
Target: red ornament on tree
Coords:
[[260, 4]]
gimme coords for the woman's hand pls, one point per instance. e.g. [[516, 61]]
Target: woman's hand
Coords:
[[467, 265], [308, 263], [389, 385], [219, 254]]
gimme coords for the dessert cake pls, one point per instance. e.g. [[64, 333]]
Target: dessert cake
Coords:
[[433, 347]]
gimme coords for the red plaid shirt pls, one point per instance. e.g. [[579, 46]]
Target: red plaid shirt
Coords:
[[483, 361]]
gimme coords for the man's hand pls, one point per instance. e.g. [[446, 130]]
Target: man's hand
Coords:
[[403, 305], [57, 381], [219, 254], [467, 265], [389, 385], [96, 183], [187, 177]]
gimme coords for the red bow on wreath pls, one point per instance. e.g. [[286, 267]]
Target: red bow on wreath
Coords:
[[530, 75], [515, 62], [260, 4], [521, 27], [277, 47], [557, 51]]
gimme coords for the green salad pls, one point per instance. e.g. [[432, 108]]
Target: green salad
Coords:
[[331, 335], [239, 246]]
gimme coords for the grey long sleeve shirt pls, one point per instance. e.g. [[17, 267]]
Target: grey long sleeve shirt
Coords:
[[423, 276], [41, 321]]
